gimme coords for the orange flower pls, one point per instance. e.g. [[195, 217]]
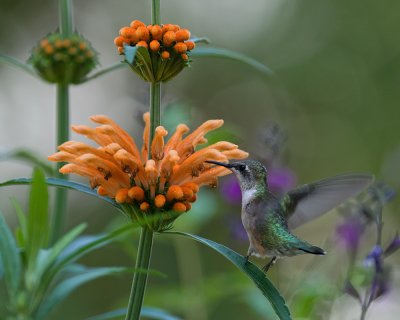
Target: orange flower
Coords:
[[163, 51], [161, 187]]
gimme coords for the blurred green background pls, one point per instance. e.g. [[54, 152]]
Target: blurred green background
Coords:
[[335, 92]]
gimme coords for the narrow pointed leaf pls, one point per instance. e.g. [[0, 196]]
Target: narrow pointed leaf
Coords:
[[55, 182], [10, 259], [211, 52], [19, 64], [130, 53], [65, 288], [38, 219], [200, 40], [148, 312], [23, 231], [252, 271]]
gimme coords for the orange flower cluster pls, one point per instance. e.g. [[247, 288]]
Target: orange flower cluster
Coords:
[[163, 182], [166, 39]]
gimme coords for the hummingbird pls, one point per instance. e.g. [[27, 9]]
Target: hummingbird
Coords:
[[268, 219]]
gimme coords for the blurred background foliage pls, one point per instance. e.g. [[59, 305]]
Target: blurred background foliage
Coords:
[[335, 94]]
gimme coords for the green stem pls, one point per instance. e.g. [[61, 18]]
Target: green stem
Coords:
[[155, 12], [155, 110], [146, 236], [62, 136], [140, 278], [66, 23]]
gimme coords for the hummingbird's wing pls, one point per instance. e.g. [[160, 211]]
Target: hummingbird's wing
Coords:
[[309, 201]]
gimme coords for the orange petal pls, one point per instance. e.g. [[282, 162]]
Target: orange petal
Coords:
[[209, 176], [236, 154], [146, 137], [157, 146], [176, 138], [187, 145], [91, 133], [79, 148], [128, 142]]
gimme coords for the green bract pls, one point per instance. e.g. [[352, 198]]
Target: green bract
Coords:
[[63, 60]]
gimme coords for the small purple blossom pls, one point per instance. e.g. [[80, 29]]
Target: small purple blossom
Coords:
[[281, 179], [230, 190], [375, 257], [349, 233]]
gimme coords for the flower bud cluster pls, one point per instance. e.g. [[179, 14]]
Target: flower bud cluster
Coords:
[[63, 60], [164, 50]]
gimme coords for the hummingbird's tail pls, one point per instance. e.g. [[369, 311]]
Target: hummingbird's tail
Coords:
[[307, 248]]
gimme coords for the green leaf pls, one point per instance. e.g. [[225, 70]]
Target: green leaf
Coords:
[[104, 71], [252, 271], [79, 249], [130, 53], [38, 219], [200, 40], [19, 64], [55, 182], [28, 156], [148, 312], [65, 288], [211, 52], [10, 259], [22, 231], [48, 259]]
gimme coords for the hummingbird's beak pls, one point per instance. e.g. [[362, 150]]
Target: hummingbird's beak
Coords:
[[226, 165]]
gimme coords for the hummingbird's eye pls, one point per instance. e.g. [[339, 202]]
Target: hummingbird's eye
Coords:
[[242, 167]]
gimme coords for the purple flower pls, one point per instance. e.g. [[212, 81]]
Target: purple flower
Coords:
[[237, 229], [393, 246], [349, 233], [375, 257], [281, 179], [231, 190]]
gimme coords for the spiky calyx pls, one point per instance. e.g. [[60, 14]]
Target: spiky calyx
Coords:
[[63, 60]]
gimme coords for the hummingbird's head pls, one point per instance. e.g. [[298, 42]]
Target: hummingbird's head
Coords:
[[250, 173]]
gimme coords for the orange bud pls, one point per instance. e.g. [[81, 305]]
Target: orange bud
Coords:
[[119, 41], [188, 206], [137, 23], [82, 45], [121, 195], [66, 43], [48, 49], [123, 31], [187, 192], [72, 51], [44, 42], [120, 50], [149, 26], [169, 38], [136, 193], [101, 191], [156, 32], [130, 33], [154, 45], [58, 43], [185, 57], [174, 192], [182, 35], [143, 34], [193, 186], [180, 47], [144, 206], [169, 27], [192, 199], [159, 201], [190, 45], [142, 44], [179, 207], [165, 55]]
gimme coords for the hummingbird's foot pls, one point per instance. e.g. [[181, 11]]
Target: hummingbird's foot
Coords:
[[246, 259], [269, 264]]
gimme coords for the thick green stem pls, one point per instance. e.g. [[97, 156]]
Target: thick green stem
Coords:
[[140, 278], [146, 236], [155, 110], [155, 12], [66, 23], [62, 136]]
